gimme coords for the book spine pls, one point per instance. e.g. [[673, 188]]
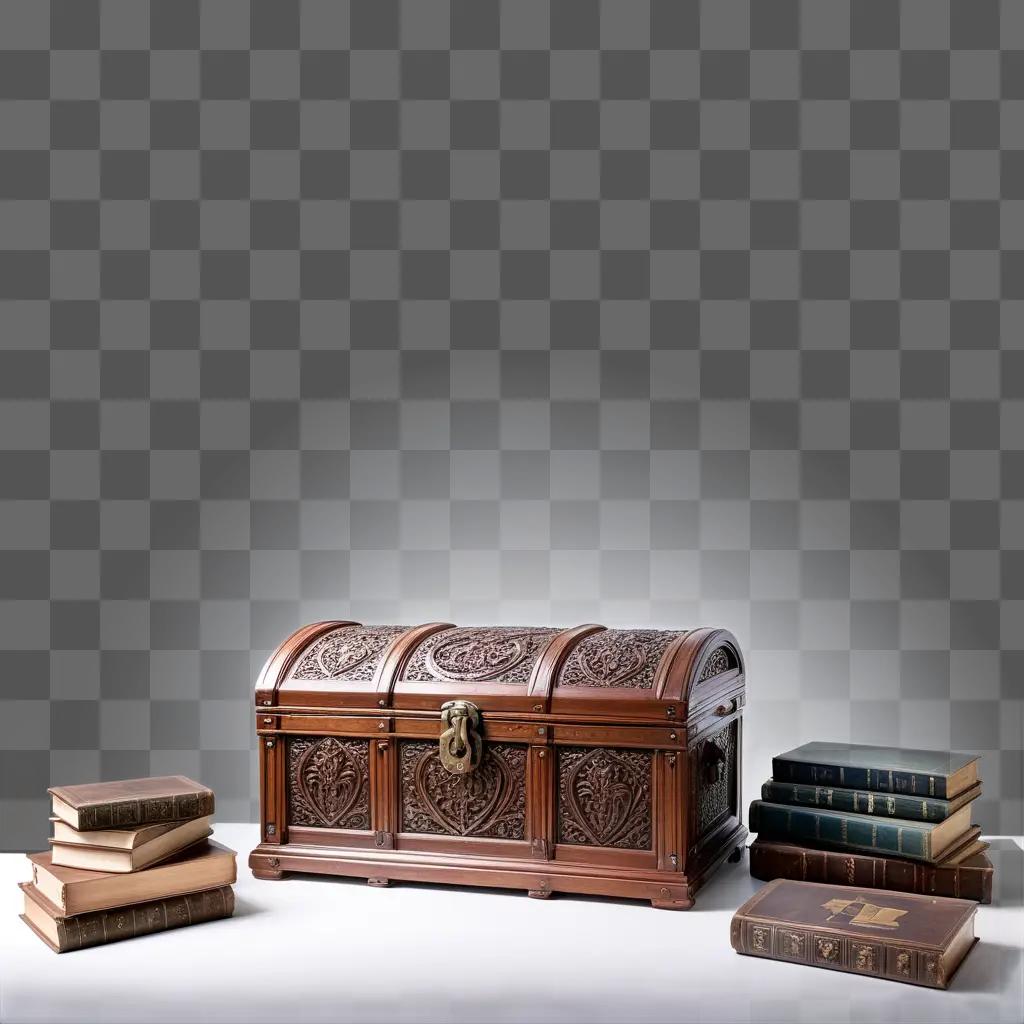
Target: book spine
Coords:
[[876, 779], [103, 926], [874, 957], [135, 813], [806, 824], [859, 801], [862, 870]]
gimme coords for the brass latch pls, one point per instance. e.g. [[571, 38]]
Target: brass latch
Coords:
[[461, 747]]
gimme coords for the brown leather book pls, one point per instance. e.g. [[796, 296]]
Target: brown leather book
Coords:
[[131, 803], [76, 891], [921, 940], [62, 933], [97, 856], [971, 879]]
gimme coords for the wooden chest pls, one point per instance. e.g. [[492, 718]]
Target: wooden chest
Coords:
[[585, 760]]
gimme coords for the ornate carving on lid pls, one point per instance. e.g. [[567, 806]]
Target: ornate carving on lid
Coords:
[[479, 655], [720, 661], [604, 797], [490, 801], [617, 657], [329, 782], [350, 652]]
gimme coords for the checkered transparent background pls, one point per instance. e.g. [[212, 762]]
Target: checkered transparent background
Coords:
[[656, 313]]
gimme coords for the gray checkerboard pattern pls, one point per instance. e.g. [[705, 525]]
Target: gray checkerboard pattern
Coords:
[[637, 311]]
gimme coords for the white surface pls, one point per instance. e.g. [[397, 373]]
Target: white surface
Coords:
[[319, 949]]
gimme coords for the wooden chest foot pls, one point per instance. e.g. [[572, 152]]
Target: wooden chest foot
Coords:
[[660, 904], [379, 883], [736, 855], [268, 874], [538, 894]]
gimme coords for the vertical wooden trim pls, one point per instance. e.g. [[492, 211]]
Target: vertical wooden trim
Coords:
[[672, 808], [272, 795], [383, 816], [540, 782]]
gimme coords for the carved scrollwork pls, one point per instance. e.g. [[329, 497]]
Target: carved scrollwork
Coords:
[[720, 661], [714, 789], [329, 782], [490, 801], [351, 652], [617, 657], [604, 797], [479, 655]]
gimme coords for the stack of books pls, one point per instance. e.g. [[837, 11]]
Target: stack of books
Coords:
[[127, 859], [883, 817]]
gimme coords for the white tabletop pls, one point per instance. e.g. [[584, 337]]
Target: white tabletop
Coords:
[[319, 949]]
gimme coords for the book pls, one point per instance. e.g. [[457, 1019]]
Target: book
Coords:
[[969, 879], [112, 838], [63, 934], [863, 801], [920, 940], [131, 803], [918, 840], [931, 773], [98, 857], [206, 865]]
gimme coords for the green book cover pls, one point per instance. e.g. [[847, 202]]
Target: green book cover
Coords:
[[860, 801], [879, 769], [846, 831]]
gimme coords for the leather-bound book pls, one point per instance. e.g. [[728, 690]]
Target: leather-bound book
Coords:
[[971, 879], [94, 855], [921, 940], [863, 801], [62, 933], [862, 833], [206, 865], [931, 773], [131, 803]]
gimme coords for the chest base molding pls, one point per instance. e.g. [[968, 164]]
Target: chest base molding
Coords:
[[666, 890]]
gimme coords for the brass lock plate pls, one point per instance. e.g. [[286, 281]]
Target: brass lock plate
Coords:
[[461, 747]]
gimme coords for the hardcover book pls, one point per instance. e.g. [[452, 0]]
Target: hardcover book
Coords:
[[918, 840], [207, 865], [863, 801], [63, 934], [131, 803], [95, 856], [971, 879], [921, 940], [930, 773], [111, 838]]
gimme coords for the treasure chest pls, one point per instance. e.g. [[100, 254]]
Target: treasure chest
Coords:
[[586, 760]]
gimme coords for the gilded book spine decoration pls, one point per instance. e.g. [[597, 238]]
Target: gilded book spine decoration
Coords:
[[488, 802], [329, 782], [859, 801], [604, 797]]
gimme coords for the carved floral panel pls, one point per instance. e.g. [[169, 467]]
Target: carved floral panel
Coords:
[[617, 657], [713, 771], [349, 652], [604, 797], [489, 801], [329, 782], [721, 660], [479, 655]]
